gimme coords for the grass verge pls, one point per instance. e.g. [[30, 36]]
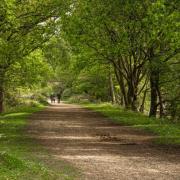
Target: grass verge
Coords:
[[167, 132], [19, 154]]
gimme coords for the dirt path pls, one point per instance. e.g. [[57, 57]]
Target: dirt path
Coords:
[[101, 149]]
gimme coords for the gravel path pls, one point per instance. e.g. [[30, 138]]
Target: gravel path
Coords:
[[102, 150]]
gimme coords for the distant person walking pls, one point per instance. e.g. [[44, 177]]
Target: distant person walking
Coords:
[[52, 97], [59, 97]]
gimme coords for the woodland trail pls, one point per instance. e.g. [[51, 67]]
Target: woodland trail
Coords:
[[101, 149]]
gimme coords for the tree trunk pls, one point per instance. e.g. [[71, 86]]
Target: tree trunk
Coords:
[[112, 92], [1, 89], [154, 83], [132, 96], [120, 81], [161, 108], [1, 98], [134, 102], [141, 109], [129, 94]]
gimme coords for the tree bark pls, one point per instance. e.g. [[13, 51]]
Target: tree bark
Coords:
[[154, 83], [120, 81], [141, 109], [161, 108], [111, 84], [1, 88], [132, 97], [128, 91], [1, 98]]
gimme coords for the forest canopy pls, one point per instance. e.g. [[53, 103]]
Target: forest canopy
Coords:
[[123, 52]]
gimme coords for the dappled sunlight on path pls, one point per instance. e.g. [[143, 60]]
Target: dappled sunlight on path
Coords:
[[100, 148]]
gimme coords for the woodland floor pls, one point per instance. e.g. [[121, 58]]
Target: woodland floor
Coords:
[[101, 149]]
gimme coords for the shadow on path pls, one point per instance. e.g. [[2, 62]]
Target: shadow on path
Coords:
[[100, 148]]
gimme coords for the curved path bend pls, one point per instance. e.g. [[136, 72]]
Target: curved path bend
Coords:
[[102, 150]]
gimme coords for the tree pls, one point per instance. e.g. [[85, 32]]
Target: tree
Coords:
[[31, 73], [24, 27], [109, 32], [136, 38], [162, 44]]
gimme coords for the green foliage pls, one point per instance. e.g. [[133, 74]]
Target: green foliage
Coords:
[[24, 28], [30, 71], [78, 99], [139, 39], [24, 78], [57, 52], [93, 81]]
